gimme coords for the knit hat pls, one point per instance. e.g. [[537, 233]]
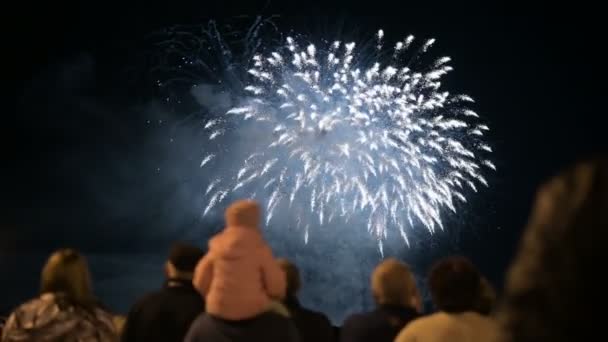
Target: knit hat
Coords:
[[243, 213], [184, 256]]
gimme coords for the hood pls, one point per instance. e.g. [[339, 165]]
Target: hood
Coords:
[[235, 242], [243, 213]]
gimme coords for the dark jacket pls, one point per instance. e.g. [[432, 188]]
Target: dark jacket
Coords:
[[380, 325], [313, 326], [267, 327], [165, 315]]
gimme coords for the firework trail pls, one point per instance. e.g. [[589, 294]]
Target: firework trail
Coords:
[[354, 132]]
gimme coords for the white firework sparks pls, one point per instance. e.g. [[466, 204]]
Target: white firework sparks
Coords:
[[356, 137]]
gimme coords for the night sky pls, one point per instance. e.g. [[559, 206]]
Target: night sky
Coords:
[[84, 168]]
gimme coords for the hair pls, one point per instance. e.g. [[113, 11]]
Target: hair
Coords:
[[552, 286], [394, 284], [292, 275], [455, 284], [67, 272], [184, 257]]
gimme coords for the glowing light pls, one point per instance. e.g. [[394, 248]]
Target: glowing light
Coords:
[[355, 133]]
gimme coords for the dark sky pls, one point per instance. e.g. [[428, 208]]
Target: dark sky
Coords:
[[78, 160]]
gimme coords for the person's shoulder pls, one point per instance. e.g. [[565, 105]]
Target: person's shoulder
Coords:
[[486, 327], [356, 319], [33, 302], [363, 325], [315, 315], [167, 298], [195, 329], [39, 310], [482, 320], [421, 322], [414, 328], [105, 316], [150, 298], [37, 303], [320, 316]]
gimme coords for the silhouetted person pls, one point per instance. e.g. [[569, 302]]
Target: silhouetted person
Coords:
[[242, 284], [397, 299], [313, 326], [66, 310], [455, 286], [166, 315], [239, 277], [554, 289]]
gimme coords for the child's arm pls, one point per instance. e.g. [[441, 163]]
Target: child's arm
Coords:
[[273, 277], [203, 275]]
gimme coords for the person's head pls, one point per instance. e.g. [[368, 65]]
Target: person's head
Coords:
[[292, 275], [67, 272], [487, 298], [553, 287], [455, 284], [243, 213], [394, 284], [182, 261]]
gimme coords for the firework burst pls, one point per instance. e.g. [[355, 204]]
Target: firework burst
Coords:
[[354, 132]]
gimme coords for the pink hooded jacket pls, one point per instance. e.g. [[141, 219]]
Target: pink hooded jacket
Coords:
[[239, 275]]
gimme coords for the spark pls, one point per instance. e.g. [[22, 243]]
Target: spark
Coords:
[[354, 133], [207, 159]]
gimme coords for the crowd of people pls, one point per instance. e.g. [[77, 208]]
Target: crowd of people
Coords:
[[238, 291]]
